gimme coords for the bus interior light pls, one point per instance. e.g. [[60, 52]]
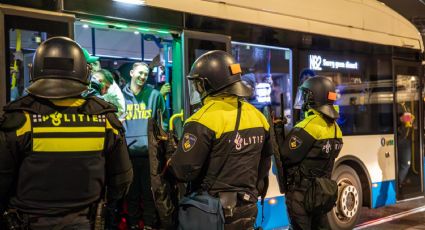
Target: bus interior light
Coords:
[[133, 2], [121, 26], [162, 31], [96, 22], [143, 29]]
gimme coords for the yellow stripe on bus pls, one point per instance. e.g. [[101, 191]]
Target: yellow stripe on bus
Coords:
[[68, 129], [67, 144]]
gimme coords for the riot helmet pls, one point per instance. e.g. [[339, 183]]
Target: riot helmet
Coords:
[[217, 72], [59, 69], [318, 93], [304, 75]]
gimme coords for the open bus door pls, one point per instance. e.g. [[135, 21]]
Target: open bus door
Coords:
[[408, 132], [21, 32], [194, 45]]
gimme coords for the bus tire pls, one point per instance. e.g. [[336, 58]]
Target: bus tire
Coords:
[[348, 206]]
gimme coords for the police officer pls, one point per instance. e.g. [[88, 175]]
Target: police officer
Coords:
[[225, 149], [310, 150], [60, 150]]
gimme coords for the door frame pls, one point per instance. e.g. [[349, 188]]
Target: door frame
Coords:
[[395, 63], [186, 35], [10, 10]]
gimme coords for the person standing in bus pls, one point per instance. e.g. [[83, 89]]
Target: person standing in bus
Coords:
[[142, 102], [405, 131], [107, 90], [58, 149], [225, 151], [308, 154]]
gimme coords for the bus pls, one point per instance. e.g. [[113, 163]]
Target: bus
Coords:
[[372, 54]]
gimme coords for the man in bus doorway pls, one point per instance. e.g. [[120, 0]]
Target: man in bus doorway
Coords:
[[225, 150], [58, 149], [142, 102], [308, 154]]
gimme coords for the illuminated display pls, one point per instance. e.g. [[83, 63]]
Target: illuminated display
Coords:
[[317, 62], [263, 91]]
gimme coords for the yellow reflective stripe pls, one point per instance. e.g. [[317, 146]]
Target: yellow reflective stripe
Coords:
[[68, 144], [68, 129], [26, 127], [218, 112], [109, 126], [317, 127], [70, 102]]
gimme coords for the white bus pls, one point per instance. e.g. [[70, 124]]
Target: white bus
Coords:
[[373, 54]]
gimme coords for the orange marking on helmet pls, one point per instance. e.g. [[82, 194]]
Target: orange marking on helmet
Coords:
[[235, 68], [332, 96]]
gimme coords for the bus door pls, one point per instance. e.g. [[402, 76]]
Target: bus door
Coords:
[[408, 129], [194, 45], [21, 32]]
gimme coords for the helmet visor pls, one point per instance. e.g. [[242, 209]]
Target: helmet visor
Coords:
[[194, 95], [299, 99]]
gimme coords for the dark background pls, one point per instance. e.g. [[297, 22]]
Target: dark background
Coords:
[[413, 10]]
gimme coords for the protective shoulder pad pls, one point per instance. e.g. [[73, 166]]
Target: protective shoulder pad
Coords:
[[12, 121], [30, 104], [24, 103], [200, 113], [114, 121], [95, 106]]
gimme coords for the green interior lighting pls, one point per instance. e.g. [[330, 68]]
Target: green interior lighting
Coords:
[[162, 31], [143, 29], [98, 23], [122, 26]]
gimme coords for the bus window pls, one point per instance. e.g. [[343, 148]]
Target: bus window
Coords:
[[364, 98], [23, 34], [22, 45], [199, 47], [268, 71]]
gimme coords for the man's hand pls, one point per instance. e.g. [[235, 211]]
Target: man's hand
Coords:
[[165, 89]]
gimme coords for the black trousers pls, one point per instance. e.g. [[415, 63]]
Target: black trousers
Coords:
[[140, 193], [299, 219], [73, 223], [243, 217]]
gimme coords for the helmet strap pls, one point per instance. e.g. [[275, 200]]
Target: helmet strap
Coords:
[[30, 71], [88, 74], [309, 102]]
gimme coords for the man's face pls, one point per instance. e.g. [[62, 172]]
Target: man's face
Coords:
[[139, 75], [104, 84], [95, 66]]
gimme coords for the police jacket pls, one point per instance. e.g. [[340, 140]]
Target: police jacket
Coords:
[[209, 135], [58, 155], [312, 146], [139, 109]]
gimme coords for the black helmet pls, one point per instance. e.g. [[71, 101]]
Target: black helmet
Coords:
[[318, 93], [218, 72], [59, 69]]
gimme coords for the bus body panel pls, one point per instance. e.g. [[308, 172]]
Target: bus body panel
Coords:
[[376, 152], [376, 23]]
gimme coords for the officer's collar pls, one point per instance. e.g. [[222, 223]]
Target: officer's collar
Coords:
[[312, 112], [68, 102], [223, 97]]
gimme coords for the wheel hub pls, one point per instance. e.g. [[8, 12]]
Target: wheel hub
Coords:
[[348, 202]]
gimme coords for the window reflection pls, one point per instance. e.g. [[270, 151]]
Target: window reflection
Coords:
[[267, 70]]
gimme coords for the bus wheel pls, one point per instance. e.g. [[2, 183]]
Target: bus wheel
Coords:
[[347, 209]]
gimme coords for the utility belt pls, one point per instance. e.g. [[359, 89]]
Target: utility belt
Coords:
[[18, 220], [297, 180], [232, 200]]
